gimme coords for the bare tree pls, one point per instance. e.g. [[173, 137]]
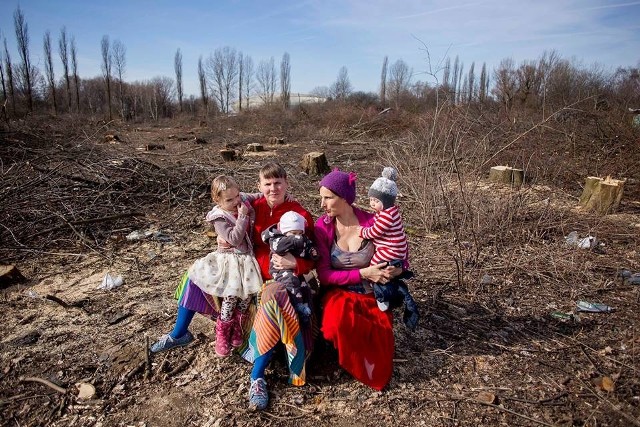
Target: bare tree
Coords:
[[240, 79], [160, 99], [74, 66], [471, 83], [222, 70], [119, 58], [266, 77], [383, 81], [4, 85], [10, 77], [107, 61], [63, 47], [483, 86], [22, 37], [285, 80], [48, 66], [341, 88], [505, 87], [399, 79], [177, 65], [321, 92], [202, 79], [247, 72]]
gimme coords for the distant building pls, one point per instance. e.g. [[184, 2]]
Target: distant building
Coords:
[[294, 99]]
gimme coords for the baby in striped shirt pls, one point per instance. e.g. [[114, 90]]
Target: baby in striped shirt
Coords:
[[389, 239]]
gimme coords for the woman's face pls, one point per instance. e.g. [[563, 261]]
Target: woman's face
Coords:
[[331, 203], [273, 189]]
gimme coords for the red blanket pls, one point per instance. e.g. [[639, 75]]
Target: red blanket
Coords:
[[362, 334]]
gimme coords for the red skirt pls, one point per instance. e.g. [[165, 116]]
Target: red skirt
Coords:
[[362, 334]]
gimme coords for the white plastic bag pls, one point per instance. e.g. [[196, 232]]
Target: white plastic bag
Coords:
[[109, 282]]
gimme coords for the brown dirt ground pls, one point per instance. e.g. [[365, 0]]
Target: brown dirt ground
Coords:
[[484, 354]]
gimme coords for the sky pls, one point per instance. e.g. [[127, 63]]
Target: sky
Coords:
[[321, 36]]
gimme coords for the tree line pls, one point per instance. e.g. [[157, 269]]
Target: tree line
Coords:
[[229, 81]]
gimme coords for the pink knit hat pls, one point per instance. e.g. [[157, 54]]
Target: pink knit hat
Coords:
[[341, 183]]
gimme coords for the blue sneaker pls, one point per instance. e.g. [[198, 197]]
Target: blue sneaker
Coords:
[[258, 394], [166, 342]]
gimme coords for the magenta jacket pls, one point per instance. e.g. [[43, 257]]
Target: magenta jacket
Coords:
[[325, 231]]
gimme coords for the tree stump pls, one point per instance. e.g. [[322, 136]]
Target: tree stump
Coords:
[[315, 163], [228, 155], [274, 140], [506, 175], [255, 147], [601, 195], [9, 275]]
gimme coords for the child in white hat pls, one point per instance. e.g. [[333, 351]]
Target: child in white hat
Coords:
[[288, 237], [388, 237]]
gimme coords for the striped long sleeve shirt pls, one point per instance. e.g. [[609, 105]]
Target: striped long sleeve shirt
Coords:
[[387, 235]]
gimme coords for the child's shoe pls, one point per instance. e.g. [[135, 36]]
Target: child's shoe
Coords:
[[167, 342], [237, 337], [223, 333], [304, 313], [258, 394]]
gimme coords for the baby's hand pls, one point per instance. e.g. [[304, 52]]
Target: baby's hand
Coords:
[[243, 209], [314, 252]]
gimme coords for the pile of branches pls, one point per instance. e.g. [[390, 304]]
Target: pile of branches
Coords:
[[61, 190]]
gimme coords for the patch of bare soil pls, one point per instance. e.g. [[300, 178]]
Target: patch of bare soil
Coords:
[[505, 346]]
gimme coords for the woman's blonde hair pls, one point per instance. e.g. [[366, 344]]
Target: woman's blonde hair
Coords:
[[221, 183]]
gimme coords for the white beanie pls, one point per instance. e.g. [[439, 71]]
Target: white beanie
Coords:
[[384, 188], [291, 221]]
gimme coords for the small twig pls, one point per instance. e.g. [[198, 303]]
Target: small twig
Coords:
[[282, 418], [181, 366], [57, 300], [147, 358], [45, 382], [500, 408]]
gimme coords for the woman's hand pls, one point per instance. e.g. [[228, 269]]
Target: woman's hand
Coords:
[[380, 273], [286, 262]]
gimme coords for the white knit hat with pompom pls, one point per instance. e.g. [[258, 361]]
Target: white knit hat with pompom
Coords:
[[385, 188]]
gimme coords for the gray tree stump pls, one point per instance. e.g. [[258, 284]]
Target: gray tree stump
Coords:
[[228, 155], [255, 147], [315, 163], [601, 195], [506, 175]]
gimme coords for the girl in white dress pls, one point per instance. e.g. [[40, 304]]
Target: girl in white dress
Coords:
[[231, 272]]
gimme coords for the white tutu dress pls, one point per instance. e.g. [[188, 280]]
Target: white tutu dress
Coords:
[[229, 272]]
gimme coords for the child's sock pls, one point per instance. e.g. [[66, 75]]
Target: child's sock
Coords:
[[260, 365], [182, 322]]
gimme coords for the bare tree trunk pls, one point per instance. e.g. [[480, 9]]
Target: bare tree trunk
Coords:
[[10, 80], [118, 56], [106, 70], [247, 65], [240, 79], [63, 47], [48, 65], [203, 87], [285, 81], [22, 37], [177, 62], [76, 79], [383, 82]]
